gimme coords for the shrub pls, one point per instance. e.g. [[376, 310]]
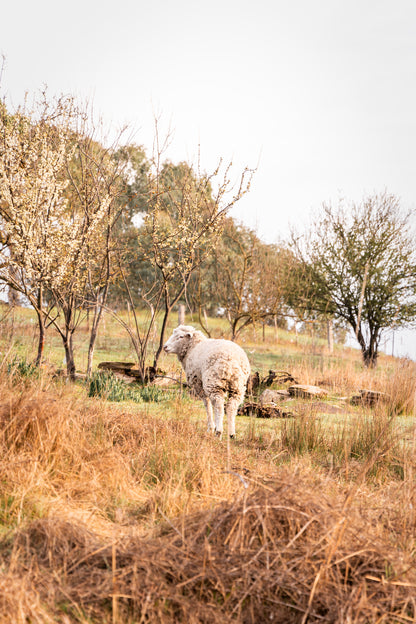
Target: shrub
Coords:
[[105, 385], [303, 434], [22, 369]]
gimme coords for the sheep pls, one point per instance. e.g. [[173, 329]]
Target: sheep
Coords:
[[214, 369]]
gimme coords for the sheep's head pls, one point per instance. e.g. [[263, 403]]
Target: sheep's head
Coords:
[[179, 341]]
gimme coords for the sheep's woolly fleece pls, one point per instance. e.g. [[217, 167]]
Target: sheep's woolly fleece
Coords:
[[216, 364], [214, 368]]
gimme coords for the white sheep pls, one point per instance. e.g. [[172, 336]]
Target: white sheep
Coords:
[[215, 369]]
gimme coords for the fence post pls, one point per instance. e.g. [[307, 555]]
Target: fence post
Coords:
[[181, 314], [330, 332]]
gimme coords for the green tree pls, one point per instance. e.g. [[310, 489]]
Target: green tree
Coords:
[[133, 203], [358, 263]]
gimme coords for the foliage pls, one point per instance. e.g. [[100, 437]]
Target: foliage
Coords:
[[132, 203], [20, 368], [67, 209], [106, 385], [359, 264], [244, 277], [181, 224]]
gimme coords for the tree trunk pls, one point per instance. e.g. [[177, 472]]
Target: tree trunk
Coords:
[[206, 319], [234, 330], [181, 314], [162, 336], [91, 346], [98, 311], [41, 340], [370, 356], [169, 303], [370, 351], [69, 355], [41, 326]]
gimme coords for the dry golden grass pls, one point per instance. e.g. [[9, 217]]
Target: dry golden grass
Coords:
[[282, 551], [122, 514], [60, 450], [395, 377]]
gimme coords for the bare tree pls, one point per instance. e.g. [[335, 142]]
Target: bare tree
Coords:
[[244, 277], [183, 219]]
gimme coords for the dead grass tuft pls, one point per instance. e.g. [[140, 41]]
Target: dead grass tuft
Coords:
[[400, 385], [282, 552]]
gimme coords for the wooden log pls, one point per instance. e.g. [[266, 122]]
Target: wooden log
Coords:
[[306, 392]]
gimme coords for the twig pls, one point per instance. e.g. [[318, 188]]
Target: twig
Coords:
[[243, 481]]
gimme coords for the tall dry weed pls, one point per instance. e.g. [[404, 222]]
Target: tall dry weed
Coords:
[[396, 378], [400, 386], [57, 449], [370, 437]]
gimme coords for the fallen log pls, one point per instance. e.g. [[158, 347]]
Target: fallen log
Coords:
[[369, 397], [263, 411], [128, 368], [306, 392]]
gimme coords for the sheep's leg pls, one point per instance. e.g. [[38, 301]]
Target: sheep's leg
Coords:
[[231, 412], [210, 417], [217, 401]]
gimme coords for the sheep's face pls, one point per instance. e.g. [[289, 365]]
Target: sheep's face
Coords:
[[179, 340]]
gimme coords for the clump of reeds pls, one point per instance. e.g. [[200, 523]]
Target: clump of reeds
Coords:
[[105, 385], [372, 438], [18, 368], [304, 434], [400, 386]]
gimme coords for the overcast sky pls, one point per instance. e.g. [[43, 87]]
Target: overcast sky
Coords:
[[319, 94]]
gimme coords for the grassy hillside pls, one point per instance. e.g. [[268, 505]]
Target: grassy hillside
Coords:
[[125, 511]]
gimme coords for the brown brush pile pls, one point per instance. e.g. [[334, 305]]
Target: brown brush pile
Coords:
[[279, 552]]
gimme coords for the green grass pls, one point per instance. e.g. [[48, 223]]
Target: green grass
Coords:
[[105, 385], [114, 343]]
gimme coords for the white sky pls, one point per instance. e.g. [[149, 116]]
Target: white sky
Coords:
[[320, 94]]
